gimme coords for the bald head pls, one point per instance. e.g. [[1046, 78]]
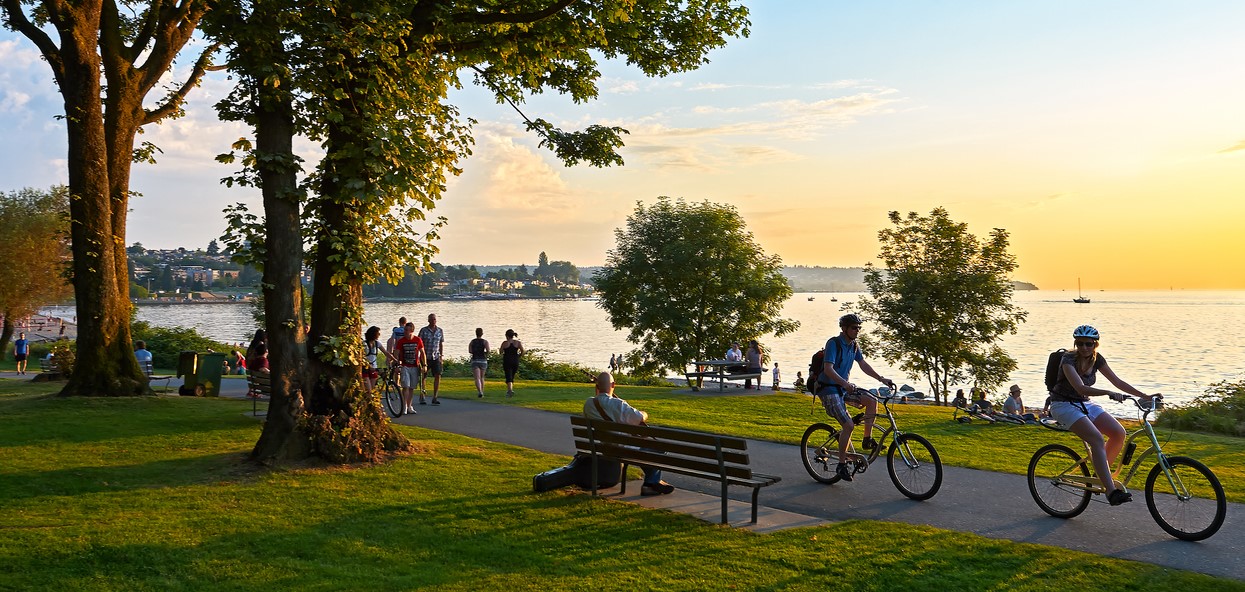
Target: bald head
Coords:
[[605, 382]]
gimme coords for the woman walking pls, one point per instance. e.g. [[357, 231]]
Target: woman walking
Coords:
[[478, 348], [371, 349], [510, 349]]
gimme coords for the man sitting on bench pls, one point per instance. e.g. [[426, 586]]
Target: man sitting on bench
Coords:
[[605, 406]]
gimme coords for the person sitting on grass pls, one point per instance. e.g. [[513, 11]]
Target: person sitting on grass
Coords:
[[605, 406]]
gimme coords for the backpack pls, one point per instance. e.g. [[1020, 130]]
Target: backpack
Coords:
[[1052, 368], [814, 370]]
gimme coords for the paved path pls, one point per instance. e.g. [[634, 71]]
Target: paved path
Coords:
[[994, 505]]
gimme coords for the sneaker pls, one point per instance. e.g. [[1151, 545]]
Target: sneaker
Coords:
[[868, 444], [436, 401], [843, 472], [422, 401], [479, 395], [1119, 496]]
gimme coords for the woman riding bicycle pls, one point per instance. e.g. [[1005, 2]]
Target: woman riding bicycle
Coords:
[[1070, 405]]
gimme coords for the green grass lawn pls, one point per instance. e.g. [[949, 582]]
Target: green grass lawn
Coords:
[[154, 494]]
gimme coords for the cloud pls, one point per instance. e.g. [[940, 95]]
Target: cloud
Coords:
[[511, 179], [1239, 146], [13, 101]]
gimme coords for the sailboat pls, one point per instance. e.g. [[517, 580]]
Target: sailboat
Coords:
[[1079, 298]]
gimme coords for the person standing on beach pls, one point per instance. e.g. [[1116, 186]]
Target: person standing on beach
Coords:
[[410, 353], [21, 351], [434, 346], [479, 349], [510, 350], [613, 363], [777, 377]]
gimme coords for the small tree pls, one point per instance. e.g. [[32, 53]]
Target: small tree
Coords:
[[688, 278], [943, 301], [35, 251]]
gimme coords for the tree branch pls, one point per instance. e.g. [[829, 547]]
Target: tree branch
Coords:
[[517, 18], [17, 21], [174, 101]]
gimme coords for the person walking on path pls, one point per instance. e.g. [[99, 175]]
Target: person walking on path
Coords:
[[434, 347], [1070, 405], [410, 353], [21, 351], [605, 406], [510, 350], [834, 389], [479, 350]]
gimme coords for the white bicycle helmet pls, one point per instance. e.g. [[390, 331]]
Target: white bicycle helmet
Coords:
[[1085, 331]]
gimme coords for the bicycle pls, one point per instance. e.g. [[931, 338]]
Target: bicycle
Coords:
[[389, 392], [911, 461], [1184, 497]]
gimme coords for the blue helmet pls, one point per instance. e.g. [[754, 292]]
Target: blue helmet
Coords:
[[1085, 331]]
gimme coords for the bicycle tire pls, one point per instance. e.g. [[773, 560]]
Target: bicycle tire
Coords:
[[1060, 500], [820, 450], [392, 396], [1199, 512], [918, 474]]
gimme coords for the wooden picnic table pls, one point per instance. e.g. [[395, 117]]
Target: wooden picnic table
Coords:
[[718, 370]]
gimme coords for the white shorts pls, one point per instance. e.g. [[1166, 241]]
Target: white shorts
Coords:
[[1068, 413], [410, 377]]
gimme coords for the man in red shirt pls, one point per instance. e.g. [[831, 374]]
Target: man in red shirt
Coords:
[[410, 353]]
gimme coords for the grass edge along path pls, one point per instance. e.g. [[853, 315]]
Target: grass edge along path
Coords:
[[153, 493]]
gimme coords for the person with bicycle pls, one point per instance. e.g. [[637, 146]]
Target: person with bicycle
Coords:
[[1070, 406], [410, 353], [834, 389]]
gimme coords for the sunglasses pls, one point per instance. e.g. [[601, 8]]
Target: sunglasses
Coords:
[[1086, 343]]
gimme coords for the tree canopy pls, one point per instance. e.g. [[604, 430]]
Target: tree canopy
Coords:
[[687, 279], [942, 301]]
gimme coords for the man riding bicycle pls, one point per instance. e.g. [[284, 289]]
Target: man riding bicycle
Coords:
[[834, 389]]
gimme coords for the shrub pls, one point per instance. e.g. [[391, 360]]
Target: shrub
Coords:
[[536, 365], [1220, 410], [65, 354], [166, 343]]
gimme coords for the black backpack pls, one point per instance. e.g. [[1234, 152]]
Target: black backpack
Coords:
[[1052, 368], [814, 370]]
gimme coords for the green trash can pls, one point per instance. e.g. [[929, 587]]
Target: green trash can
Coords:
[[209, 372], [187, 367]]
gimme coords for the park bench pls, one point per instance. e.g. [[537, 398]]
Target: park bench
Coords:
[[147, 368], [47, 365], [258, 386], [723, 459]]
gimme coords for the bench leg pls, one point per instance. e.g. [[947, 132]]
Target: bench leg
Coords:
[[755, 491]]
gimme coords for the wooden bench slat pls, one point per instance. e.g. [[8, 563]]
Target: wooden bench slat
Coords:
[[690, 436], [672, 447]]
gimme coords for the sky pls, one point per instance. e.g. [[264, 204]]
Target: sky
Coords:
[[1107, 138]]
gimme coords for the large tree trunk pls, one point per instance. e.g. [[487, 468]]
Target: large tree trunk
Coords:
[[105, 361], [283, 437], [6, 333]]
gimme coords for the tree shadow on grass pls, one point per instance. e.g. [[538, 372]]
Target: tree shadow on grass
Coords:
[[82, 480]]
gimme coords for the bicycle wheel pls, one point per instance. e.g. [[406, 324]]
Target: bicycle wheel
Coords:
[[1195, 509], [392, 396], [820, 447], [1056, 496], [914, 466]]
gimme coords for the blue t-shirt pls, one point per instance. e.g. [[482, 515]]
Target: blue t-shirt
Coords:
[[840, 355], [21, 346]]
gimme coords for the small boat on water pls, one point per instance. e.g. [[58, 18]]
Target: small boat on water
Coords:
[[833, 299], [1079, 298], [811, 298]]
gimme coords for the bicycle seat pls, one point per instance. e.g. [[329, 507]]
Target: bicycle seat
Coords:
[[1053, 424]]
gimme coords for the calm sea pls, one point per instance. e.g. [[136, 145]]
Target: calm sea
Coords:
[[1173, 342]]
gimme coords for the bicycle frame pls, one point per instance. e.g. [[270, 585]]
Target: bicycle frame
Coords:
[[1094, 484], [887, 432]]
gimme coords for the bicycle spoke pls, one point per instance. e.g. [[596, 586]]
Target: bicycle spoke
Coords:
[[1186, 500]]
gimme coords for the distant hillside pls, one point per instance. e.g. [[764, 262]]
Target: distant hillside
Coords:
[[801, 277]]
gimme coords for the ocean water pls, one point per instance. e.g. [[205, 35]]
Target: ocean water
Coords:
[[1174, 342]]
